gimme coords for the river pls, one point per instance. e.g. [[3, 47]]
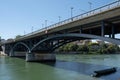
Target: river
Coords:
[[67, 67]]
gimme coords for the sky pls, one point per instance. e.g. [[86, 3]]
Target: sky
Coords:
[[19, 17]]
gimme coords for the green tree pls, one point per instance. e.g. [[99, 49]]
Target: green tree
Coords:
[[61, 49], [69, 47], [83, 48], [112, 48], [72, 47], [18, 36], [93, 47]]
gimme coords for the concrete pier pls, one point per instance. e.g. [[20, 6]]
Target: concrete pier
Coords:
[[40, 57], [45, 57], [20, 54], [30, 57], [11, 54]]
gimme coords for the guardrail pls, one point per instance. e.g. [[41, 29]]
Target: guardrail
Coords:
[[78, 17]]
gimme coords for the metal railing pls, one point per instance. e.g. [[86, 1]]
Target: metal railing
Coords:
[[78, 17]]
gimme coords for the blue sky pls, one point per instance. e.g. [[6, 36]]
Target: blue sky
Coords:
[[19, 16]]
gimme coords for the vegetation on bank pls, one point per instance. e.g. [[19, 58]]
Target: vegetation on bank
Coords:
[[90, 48]]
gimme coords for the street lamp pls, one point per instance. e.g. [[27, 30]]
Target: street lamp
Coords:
[[71, 12], [59, 18], [90, 5], [46, 26]]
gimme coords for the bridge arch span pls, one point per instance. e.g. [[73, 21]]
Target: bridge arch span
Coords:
[[73, 37], [21, 43]]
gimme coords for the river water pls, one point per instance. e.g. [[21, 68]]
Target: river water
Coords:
[[67, 67]]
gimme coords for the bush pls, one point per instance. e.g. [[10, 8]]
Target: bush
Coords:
[[91, 48], [83, 48], [69, 47]]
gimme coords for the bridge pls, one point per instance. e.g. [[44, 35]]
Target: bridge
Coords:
[[94, 24]]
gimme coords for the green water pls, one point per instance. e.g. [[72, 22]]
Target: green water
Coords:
[[67, 67]]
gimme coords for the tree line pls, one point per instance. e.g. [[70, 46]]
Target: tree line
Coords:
[[90, 48]]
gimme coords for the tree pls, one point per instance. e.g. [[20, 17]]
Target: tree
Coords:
[[10, 40], [18, 36], [73, 47], [83, 48], [69, 47], [93, 47], [112, 48]]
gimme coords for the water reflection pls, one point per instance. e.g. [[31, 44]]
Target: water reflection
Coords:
[[84, 68]]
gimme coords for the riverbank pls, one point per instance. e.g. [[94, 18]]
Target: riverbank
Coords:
[[90, 48], [86, 53]]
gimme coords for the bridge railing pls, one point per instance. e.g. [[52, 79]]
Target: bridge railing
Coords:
[[78, 17]]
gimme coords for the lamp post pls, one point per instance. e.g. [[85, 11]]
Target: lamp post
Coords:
[[45, 23], [46, 26], [90, 5], [59, 18], [71, 12]]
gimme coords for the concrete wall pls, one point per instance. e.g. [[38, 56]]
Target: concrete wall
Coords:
[[20, 54]]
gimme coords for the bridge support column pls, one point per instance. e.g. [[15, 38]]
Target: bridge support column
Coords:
[[113, 32], [45, 57], [30, 57], [3, 50], [102, 28], [80, 30], [11, 54], [109, 35]]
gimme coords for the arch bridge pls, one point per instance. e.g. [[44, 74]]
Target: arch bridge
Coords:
[[102, 23]]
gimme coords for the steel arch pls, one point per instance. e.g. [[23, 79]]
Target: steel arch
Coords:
[[75, 35], [21, 44]]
